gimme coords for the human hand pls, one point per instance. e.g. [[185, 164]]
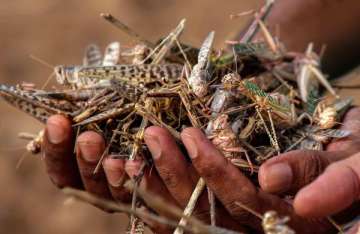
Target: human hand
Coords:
[[68, 169], [165, 181], [325, 183], [305, 166], [230, 186], [173, 180]]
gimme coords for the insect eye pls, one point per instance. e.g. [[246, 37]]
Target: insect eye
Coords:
[[59, 75], [165, 80], [58, 71]]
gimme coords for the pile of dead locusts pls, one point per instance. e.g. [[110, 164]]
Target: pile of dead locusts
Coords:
[[254, 101]]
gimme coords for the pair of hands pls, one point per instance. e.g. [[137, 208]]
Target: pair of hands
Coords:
[[325, 183]]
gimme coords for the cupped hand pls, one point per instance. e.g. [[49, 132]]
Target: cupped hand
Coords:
[[73, 164], [229, 185], [174, 177], [325, 182]]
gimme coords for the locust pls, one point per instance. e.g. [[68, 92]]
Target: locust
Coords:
[[39, 107], [92, 58], [35, 141], [132, 74], [273, 224], [263, 101], [328, 112], [200, 76], [225, 139], [94, 71], [325, 117], [33, 104], [309, 74]]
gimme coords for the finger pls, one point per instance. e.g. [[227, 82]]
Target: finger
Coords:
[[351, 120], [89, 148], [232, 188], [170, 163], [355, 229], [150, 182], [215, 169], [337, 188], [179, 176], [116, 176], [291, 171], [156, 227], [349, 144], [58, 150]]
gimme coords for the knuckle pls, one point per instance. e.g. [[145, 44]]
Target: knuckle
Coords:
[[58, 182], [312, 167], [209, 170], [121, 195], [87, 174], [169, 177], [237, 212], [53, 152]]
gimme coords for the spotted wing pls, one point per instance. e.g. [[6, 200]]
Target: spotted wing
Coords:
[[112, 54], [205, 50], [334, 133], [92, 56], [30, 103]]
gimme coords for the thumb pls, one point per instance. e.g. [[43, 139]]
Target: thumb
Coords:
[[336, 189], [291, 171]]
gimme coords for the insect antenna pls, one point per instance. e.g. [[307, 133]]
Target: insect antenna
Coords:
[[183, 52], [250, 210], [46, 64], [48, 80], [41, 61], [266, 127], [21, 160]]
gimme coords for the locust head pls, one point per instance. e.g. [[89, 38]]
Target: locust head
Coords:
[[66, 75], [230, 81], [221, 122]]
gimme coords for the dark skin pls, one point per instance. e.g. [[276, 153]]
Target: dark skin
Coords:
[[324, 183], [173, 177]]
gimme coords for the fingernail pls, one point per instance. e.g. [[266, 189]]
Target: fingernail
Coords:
[[278, 177], [114, 171], [190, 145], [55, 133], [154, 145], [132, 168], [90, 151]]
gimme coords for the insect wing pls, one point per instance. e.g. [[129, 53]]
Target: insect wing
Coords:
[[92, 56], [112, 54], [205, 50], [334, 133], [310, 144]]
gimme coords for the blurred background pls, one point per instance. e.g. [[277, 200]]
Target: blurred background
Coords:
[[57, 32]]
